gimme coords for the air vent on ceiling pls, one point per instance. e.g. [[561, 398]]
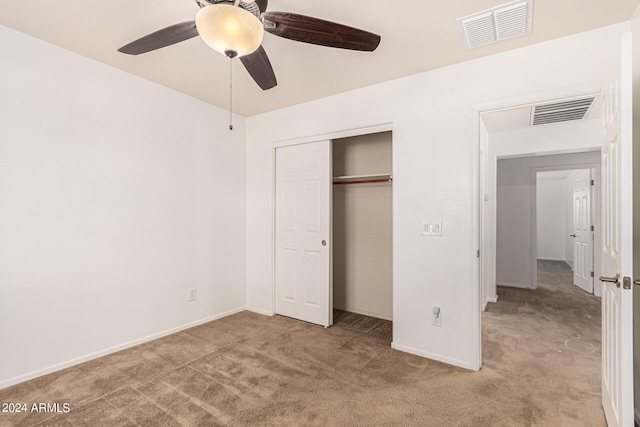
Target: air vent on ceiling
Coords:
[[564, 111], [499, 23]]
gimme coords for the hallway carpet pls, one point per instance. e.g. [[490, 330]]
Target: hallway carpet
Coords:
[[541, 368]]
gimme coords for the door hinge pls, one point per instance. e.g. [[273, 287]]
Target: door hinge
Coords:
[[592, 274], [477, 254], [592, 182], [592, 228]]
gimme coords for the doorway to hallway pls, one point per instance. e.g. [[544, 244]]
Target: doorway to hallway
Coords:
[[565, 216]]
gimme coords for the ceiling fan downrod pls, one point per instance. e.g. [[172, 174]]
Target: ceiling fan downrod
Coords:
[[230, 92]]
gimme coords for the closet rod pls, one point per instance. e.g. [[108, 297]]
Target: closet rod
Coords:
[[368, 181]]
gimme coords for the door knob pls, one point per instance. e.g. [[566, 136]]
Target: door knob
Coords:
[[636, 282], [324, 243], [615, 280]]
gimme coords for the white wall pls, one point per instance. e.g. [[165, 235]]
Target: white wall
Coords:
[[116, 196], [435, 174], [551, 217]]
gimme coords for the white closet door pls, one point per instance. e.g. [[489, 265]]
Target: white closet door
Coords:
[[303, 214]]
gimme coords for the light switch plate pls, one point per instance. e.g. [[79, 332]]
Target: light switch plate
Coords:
[[432, 228]]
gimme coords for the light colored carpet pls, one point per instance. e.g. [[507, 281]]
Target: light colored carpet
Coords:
[[541, 368]]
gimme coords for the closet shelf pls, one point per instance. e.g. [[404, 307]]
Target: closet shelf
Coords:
[[362, 179]]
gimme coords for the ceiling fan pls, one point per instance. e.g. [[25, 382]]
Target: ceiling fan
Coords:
[[283, 24]]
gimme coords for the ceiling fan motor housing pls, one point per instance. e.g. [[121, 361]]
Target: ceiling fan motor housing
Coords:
[[251, 7]]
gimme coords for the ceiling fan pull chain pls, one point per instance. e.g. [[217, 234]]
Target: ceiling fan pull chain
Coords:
[[230, 93]]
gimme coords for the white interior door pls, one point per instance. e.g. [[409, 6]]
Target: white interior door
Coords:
[[617, 247], [582, 235], [302, 252]]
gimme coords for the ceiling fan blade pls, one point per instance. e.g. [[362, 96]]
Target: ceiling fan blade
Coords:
[[317, 31], [259, 67], [161, 38], [262, 5]]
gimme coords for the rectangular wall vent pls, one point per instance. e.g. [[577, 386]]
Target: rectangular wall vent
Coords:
[[499, 23], [564, 111]]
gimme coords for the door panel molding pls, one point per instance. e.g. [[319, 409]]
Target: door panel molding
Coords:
[[302, 273], [617, 247]]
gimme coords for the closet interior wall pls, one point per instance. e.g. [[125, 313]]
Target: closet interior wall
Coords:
[[362, 226]]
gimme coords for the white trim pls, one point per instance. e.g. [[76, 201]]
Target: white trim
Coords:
[[385, 127], [477, 291], [534, 227], [434, 356], [272, 177], [488, 300], [261, 311], [513, 285], [596, 220], [627, 143], [549, 153], [116, 348]]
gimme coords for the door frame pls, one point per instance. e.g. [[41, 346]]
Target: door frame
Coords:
[[384, 127], [594, 215], [482, 223]]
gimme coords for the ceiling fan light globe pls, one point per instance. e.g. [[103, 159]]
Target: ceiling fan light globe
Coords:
[[226, 28]]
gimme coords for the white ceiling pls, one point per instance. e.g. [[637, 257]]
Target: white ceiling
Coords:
[[417, 35]]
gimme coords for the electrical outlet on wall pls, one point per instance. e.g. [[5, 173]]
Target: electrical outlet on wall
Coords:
[[192, 294], [436, 317]]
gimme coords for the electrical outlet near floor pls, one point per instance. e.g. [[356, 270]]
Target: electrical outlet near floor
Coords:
[[192, 294], [436, 317]]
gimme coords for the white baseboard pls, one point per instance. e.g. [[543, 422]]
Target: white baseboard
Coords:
[[513, 285], [488, 300], [429, 355], [260, 311], [76, 361]]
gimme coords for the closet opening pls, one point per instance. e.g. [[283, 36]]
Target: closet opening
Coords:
[[362, 231]]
